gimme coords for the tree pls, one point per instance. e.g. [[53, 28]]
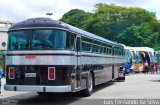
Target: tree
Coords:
[[109, 20], [142, 35], [75, 17], [128, 25]]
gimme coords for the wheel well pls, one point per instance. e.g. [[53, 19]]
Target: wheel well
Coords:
[[93, 76]]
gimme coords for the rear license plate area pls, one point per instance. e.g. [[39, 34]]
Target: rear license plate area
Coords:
[[30, 75]]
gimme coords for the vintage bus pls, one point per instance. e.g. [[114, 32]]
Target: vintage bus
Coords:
[[136, 59], [128, 67], [45, 56], [142, 58]]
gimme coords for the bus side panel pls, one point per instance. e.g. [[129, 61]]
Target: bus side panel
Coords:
[[99, 65], [102, 73], [116, 71]]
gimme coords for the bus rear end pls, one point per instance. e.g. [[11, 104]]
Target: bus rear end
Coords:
[[40, 60]]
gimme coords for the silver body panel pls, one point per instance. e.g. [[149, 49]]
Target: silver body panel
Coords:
[[40, 60], [66, 58]]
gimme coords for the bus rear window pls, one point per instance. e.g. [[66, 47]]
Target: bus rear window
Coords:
[[48, 39], [40, 40], [19, 40]]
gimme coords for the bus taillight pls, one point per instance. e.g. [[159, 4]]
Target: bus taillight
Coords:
[[11, 72], [51, 73]]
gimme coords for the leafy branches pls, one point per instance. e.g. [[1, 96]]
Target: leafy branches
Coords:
[[127, 25]]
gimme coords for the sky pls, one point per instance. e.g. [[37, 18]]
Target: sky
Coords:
[[19, 10]]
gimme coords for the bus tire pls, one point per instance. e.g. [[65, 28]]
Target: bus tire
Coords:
[[89, 86], [121, 79]]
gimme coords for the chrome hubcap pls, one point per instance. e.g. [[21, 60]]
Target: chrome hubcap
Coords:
[[90, 83]]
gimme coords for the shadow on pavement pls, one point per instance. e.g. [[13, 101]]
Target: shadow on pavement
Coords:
[[33, 98], [155, 80], [104, 85]]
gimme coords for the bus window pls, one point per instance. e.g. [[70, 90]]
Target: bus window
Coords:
[[104, 50], [101, 50], [109, 50], [49, 39], [78, 44], [117, 51], [70, 42], [122, 50], [19, 40], [86, 44], [41, 40], [96, 47]]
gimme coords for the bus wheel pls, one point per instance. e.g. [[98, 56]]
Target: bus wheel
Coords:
[[89, 86], [121, 79]]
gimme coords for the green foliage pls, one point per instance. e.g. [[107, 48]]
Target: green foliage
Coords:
[[142, 35], [130, 26], [75, 17]]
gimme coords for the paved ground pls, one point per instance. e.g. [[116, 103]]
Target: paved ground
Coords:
[[136, 86]]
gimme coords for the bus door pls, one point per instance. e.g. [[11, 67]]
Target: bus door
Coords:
[[78, 66]]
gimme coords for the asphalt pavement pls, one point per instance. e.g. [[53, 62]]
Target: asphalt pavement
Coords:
[[136, 86]]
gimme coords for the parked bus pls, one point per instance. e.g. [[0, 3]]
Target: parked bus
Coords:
[[135, 59], [147, 56], [143, 60], [128, 67], [45, 55]]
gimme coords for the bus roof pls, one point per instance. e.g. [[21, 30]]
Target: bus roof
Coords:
[[146, 49], [49, 23]]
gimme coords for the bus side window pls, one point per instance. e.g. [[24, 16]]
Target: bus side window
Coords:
[[70, 41], [107, 50], [86, 44], [120, 52], [78, 44]]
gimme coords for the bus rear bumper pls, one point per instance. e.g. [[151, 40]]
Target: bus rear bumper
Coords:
[[65, 88]]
